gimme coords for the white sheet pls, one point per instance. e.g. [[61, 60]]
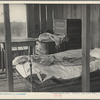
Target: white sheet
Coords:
[[57, 70]]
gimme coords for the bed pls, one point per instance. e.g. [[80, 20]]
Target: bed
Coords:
[[57, 72]]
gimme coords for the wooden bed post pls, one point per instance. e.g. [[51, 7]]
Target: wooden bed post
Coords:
[[43, 18], [8, 48], [85, 48]]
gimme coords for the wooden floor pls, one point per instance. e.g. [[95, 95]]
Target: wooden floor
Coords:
[[18, 85], [21, 87]]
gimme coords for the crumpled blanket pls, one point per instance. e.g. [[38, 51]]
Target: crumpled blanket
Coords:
[[52, 37], [58, 71], [64, 65], [74, 61], [48, 60]]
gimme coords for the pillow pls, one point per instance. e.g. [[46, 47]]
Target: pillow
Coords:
[[95, 53]]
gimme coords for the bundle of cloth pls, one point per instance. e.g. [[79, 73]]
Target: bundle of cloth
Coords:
[[57, 38]]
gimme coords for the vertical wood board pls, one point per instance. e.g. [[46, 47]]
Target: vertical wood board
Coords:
[[79, 11], [49, 22], [73, 12], [8, 48], [85, 48], [43, 18], [95, 23]]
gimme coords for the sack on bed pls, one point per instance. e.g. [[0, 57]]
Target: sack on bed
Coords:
[[51, 37]]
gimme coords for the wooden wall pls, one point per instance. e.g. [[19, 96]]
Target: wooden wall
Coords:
[[67, 11], [95, 25], [33, 21]]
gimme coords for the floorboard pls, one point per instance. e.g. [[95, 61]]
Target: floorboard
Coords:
[[18, 85], [69, 86]]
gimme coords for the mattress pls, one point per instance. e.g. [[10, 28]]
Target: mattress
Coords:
[[61, 69]]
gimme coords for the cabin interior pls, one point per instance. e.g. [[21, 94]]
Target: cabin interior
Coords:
[[79, 23]]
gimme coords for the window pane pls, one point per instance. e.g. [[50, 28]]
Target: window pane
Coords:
[[1, 22], [18, 21]]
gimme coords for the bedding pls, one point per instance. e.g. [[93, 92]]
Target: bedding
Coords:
[[51, 37], [63, 65], [95, 53]]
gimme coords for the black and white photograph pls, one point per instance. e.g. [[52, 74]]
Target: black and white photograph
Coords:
[[49, 48]]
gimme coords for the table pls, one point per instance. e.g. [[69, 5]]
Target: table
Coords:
[[30, 42]]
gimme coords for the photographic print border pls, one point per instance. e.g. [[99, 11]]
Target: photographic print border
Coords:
[[49, 96]]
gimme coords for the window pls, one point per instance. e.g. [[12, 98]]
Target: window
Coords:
[[1, 22], [17, 20]]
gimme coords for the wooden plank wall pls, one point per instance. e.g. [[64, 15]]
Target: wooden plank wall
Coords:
[[68, 11], [33, 20], [64, 11], [49, 24], [43, 18], [95, 13]]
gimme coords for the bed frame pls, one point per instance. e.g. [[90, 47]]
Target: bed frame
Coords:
[[56, 85]]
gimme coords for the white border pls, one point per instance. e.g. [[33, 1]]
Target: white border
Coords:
[[53, 95], [50, 2], [49, 95]]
